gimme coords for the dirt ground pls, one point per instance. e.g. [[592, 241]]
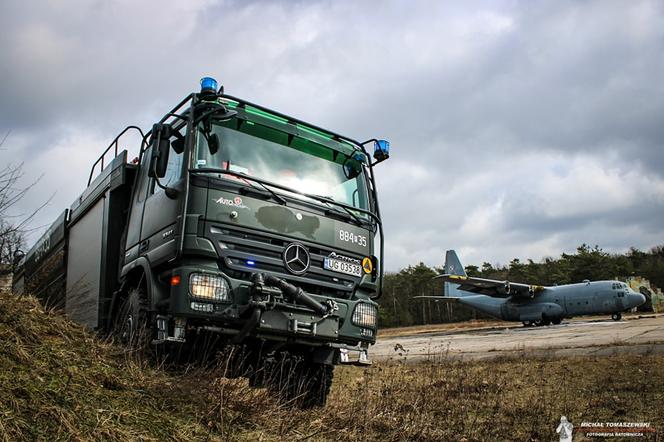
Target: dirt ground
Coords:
[[585, 336]]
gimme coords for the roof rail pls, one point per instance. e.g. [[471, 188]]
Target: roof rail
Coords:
[[114, 144]]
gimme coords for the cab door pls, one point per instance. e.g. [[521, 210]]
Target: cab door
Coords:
[[161, 212], [136, 209]]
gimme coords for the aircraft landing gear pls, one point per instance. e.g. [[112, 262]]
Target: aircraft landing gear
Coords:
[[556, 321], [545, 320], [616, 316], [527, 323]]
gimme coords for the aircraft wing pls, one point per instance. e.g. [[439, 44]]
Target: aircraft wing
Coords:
[[438, 298], [491, 287]]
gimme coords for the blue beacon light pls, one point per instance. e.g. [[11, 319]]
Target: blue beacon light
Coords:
[[381, 150], [251, 263], [209, 84]]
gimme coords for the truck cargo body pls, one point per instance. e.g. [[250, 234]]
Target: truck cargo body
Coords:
[[74, 265]]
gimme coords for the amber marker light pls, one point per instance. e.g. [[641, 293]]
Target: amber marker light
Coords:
[[175, 280], [367, 265]]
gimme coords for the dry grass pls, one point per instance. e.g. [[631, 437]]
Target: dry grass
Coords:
[[61, 383]]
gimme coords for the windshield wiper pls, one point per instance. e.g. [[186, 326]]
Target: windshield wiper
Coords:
[[331, 209], [328, 201], [272, 193], [245, 177]]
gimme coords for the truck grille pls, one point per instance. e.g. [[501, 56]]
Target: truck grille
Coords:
[[245, 251]]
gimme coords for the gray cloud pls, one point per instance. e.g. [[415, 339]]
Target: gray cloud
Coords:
[[519, 129]]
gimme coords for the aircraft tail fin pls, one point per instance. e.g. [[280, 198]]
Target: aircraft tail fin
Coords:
[[453, 267]]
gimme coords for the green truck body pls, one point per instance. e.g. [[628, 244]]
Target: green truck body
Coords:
[[235, 222]]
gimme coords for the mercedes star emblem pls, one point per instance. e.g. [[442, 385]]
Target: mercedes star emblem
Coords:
[[296, 258]]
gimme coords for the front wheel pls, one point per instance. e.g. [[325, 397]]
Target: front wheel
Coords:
[[132, 325], [616, 316], [297, 381], [318, 381]]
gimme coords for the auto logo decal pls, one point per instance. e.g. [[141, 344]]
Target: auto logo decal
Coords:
[[296, 258]]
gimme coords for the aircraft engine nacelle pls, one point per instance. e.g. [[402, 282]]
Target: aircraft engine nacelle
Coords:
[[508, 289]]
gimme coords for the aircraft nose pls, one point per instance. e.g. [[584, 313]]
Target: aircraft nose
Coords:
[[639, 299]]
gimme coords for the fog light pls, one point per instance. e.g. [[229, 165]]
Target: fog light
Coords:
[[365, 315], [202, 307], [208, 287]]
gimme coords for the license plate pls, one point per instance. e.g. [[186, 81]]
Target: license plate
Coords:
[[339, 266]]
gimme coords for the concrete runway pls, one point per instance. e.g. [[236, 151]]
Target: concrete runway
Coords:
[[578, 337]]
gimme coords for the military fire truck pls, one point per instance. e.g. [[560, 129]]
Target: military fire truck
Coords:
[[236, 221]]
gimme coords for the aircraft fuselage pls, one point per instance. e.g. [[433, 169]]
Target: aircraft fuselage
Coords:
[[558, 302]]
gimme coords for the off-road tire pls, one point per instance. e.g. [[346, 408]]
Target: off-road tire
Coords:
[[298, 382], [316, 386], [132, 325]]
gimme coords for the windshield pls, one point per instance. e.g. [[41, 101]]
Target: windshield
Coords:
[[301, 165]]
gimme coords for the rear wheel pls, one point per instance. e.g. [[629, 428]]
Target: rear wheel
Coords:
[[616, 316]]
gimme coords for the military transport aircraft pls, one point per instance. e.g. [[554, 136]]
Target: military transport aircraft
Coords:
[[534, 304]]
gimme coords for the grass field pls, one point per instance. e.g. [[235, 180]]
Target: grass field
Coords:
[[58, 382]]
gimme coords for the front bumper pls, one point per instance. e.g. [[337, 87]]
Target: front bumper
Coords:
[[280, 320]]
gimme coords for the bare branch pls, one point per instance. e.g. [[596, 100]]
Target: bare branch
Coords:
[[5, 138], [13, 226]]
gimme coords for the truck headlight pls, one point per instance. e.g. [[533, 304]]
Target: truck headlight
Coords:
[[208, 287], [365, 315]]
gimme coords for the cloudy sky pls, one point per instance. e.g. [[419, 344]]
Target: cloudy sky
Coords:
[[518, 129]]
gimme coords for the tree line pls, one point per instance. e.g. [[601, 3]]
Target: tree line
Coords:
[[399, 309]]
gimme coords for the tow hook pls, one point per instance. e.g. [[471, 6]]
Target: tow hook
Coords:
[[258, 304]]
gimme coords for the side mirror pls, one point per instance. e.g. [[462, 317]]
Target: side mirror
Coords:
[[213, 143], [178, 143], [381, 150], [18, 256], [160, 149], [353, 165]]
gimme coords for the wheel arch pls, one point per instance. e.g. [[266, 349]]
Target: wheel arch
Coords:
[[135, 273], [138, 272]]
